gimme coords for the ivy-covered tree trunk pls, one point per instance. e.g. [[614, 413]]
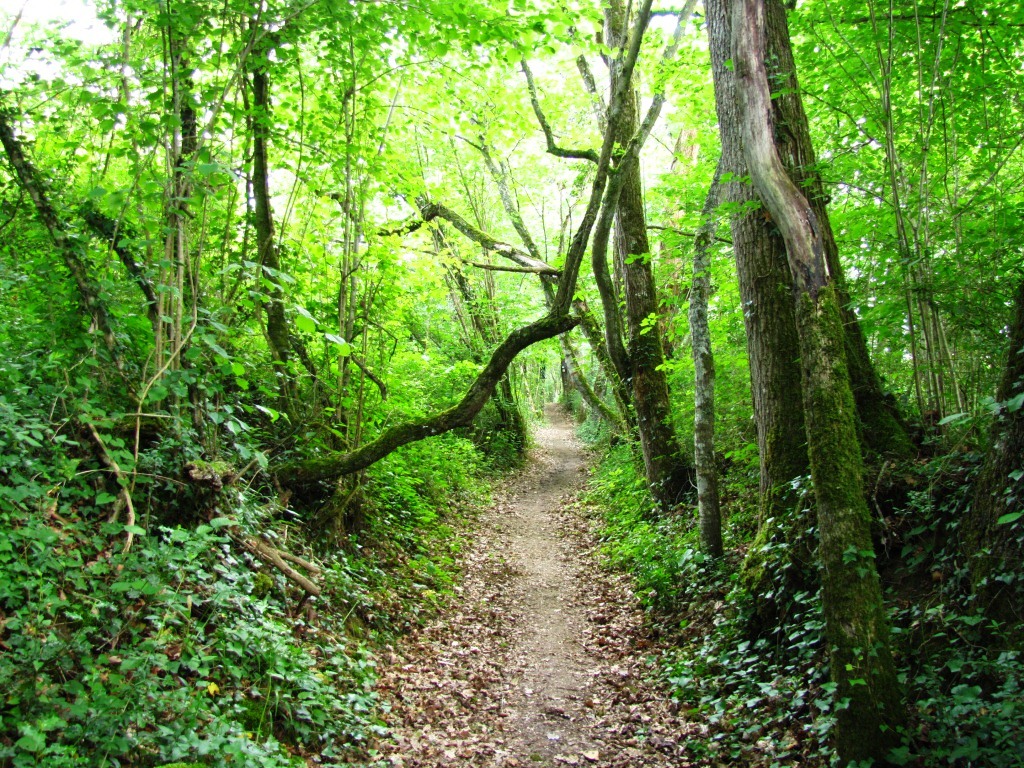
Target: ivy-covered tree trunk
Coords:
[[766, 293], [856, 628], [669, 475], [994, 528]]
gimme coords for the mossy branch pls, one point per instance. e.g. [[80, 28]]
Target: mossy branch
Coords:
[[329, 468]]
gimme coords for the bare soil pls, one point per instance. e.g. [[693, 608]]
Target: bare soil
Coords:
[[541, 660]]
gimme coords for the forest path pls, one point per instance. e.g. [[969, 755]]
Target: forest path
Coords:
[[538, 661]]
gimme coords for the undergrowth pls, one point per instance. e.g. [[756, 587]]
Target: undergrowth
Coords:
[[185, 648], [767, 698]]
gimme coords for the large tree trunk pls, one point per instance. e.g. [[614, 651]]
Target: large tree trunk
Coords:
[[995, 547], [670, 476], [855, 623], [766, 290], [880, 427]]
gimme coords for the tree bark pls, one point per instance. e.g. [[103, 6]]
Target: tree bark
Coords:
[[268, 256], [782, 550], [855, 623], [881, 429], [709, 513], [996, 548], [670, 476], [430, 211]]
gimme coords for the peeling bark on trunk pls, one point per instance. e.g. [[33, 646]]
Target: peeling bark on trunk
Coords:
[[995, 548], [881, 429], [855, 622], [709, 514]]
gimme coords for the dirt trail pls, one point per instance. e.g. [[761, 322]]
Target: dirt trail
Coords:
[[550, 668], [540, 660]]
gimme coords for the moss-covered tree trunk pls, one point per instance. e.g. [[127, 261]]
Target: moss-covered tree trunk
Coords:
[[881, 428], [782, 549], [670, 475], [996, 548], [856, 629]]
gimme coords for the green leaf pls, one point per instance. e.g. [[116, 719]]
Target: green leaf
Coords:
[[305, 322], [32, 741], [1009, 517], [274, 415], [344, 348]]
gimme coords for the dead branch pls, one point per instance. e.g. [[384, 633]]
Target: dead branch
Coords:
[[524, 270], [275, 557], [124, 498]]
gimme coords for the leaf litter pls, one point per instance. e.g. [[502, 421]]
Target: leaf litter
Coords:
[[541, 658]]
